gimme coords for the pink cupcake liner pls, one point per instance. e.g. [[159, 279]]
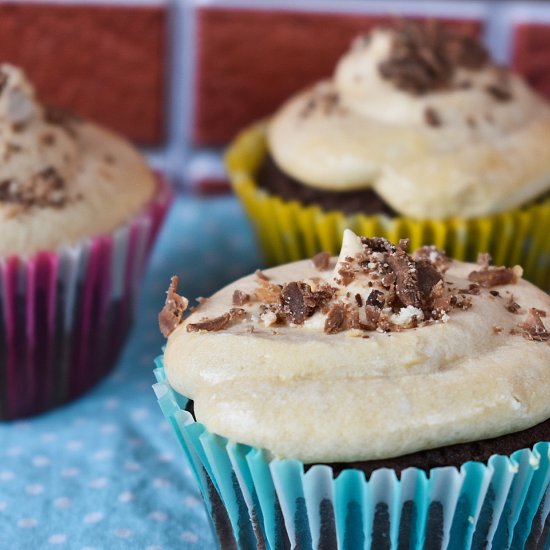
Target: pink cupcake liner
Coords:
[[64, 315]]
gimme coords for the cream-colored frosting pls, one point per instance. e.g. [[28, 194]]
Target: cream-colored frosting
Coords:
[[105, 179], [485, 156], [300, 392]]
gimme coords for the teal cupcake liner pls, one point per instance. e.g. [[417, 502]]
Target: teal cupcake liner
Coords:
[[256, 501]]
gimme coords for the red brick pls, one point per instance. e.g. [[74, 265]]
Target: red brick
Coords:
[[249, 61], [105, 62], [531, 54]]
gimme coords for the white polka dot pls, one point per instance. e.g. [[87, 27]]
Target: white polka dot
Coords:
[[103, 454], [161, 483], [99, 483], [140, 414], [62, 502], [132, 466], [14, 451], [6, 475], [158, 516], [70, 472], [34, 489], [192, 501], [58, 538], [123, 533], [111, 403], [74, 445], [27, 523], [188, 536], [3, 505], [48, 437], [94, 517], [40, 461], [166, 457], [126, 496], [108, 428]]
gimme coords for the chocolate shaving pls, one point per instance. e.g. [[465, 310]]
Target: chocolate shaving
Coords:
[[432, 118], [494, 293], [171, 314], [268, 293], [240, 298], [321, 261], [512, 306], [297, 302], [359, 300], [346, 274], [375, 299], [533, 328], [217, 323], [436, 257]]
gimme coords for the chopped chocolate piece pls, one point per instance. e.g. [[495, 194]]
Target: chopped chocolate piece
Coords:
[[171, 314], [47, 188], [297, 302], [533, 328], [268, 293], [493, 276], [432, 118], [346, 274], [495, 293], [335, 320], [512, 306], [217, 323], [321, 261], [435, 256], [498, 92], [47, 139], [404, 244], [427, 276], [372, 314], [406, 282], [240, 298], [261, 275], [375, 299], [425, 57], [473, 288], [497, 329], [461, 302], [359, 300], [541, 312]]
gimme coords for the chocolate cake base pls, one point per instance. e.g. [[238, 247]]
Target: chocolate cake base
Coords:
[[452, 455], [276, 182]]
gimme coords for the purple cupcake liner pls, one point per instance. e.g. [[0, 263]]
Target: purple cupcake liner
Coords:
[[64, 315]]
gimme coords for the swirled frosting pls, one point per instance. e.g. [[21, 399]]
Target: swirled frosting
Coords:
[[61, 178], [420, 115], [371, 355]]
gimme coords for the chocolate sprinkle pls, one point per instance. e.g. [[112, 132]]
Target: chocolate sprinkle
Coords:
[[321, 261], [171, 314]]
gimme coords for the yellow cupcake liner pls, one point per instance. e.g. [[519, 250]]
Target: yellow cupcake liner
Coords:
[[288, 230]]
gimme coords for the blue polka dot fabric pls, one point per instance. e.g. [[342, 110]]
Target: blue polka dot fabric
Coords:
[[105, 472]]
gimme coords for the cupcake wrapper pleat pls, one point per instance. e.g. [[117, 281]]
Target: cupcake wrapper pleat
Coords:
[[289, 231], [64, 315], [255, 501]]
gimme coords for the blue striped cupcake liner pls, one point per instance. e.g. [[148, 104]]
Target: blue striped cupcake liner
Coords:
[[257, 501]]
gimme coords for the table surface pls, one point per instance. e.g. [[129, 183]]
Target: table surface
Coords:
[[105, 472]]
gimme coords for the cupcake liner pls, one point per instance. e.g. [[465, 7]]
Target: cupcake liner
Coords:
[[64, 315], [288, 230], [256, 501]]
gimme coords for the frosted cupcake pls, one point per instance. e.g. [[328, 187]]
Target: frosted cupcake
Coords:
[[79, 210], [379, 399], [418, 133]]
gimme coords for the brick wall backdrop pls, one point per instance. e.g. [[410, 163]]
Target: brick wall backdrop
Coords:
[[181, 77]]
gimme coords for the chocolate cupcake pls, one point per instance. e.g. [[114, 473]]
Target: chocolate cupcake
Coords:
[[417, 133], [79, 210], [379, 399]]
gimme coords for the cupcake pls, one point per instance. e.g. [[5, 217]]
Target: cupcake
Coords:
[[418, 133], [79, 211], [380, 399]]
